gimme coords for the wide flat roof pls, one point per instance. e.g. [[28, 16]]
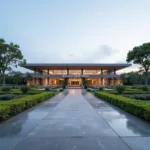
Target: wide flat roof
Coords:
[[44, 66]]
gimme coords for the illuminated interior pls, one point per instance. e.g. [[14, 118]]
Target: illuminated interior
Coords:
[[74, 72], [74, 80]]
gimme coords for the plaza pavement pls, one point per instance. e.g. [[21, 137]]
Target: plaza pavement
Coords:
[[74, 120]]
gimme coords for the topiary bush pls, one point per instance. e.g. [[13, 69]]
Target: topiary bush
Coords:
[[100, 89], [47, 89], [64, 86], [133, 87], [6, 89], [85, 86], [15, 87], [25, 89], [145, 88], [120, 89], [61, 90]]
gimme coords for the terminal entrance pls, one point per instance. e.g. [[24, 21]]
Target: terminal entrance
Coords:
[[74, 82]]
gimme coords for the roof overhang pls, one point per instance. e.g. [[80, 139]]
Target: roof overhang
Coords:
[[90, 66]]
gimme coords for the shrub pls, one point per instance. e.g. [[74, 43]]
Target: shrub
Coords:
[[61, 90], [100, 88], [47, 89], [9, 96], [4, 112], [85, 86], [15, 87], [6, 89], [15, 106], [133, 87], [145, 88], [138, 108], [25, 89], [139, 96], [64, 86], [120, 89]]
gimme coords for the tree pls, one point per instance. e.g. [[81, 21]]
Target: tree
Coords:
[[27, 77], [17, 76], [10, 56], [141, 55]]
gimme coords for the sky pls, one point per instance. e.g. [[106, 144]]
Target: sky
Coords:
[[75, 31]]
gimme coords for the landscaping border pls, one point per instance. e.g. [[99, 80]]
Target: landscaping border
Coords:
[[15, 106], [138, 108]]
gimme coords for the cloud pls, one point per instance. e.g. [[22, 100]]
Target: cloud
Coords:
[[101, 54]]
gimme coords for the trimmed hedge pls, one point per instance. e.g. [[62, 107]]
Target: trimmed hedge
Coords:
[[129, 92], [138, 108], [32, 92], [15, 106]]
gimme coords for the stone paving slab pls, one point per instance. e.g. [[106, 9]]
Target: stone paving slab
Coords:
[[8, 143], [138, 143], [74, 122], [57, 128]]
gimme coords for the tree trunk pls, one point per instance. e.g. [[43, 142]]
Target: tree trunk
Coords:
[[146, 80], [3, 80]]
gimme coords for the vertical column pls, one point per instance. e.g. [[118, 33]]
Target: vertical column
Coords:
[[114, 71], [41, 79], [101, 77], [35, 77], [67, 71], [82, 78], [81, 71], [67, 79], [48, 77], [114, 81], [114, 77]]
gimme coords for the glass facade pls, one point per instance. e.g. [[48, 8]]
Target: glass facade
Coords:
[[77, 75]]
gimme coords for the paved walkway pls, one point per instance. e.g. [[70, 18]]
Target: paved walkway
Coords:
[[74, 121]]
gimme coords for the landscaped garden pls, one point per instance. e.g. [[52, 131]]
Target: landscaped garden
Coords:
[[140, 108], [135, 100], [14, 100]]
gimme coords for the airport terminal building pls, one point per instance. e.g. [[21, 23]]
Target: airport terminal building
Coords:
[[75, 74]]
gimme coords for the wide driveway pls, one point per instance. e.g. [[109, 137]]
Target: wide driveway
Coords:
[[74, 120]]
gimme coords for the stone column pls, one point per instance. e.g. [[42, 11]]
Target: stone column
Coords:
[[67, 71], [102, 77], [114, 71], [114, 81], [48, 80], [35, 77], [82, 77]]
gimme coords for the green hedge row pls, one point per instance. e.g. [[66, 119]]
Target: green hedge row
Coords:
[[136, 107], [129, 92], [15, 106], [19, 92]]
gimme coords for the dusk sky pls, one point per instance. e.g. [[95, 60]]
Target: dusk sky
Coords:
[[75, 31]]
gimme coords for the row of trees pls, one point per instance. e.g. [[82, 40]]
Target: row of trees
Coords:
[[141, 55], [133, 78], [17, 78], [11, 56]]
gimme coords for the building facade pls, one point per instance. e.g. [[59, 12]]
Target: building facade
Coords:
[[75, 74]]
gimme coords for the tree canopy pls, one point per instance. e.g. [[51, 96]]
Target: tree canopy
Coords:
[[141, 55], [10, 56]]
